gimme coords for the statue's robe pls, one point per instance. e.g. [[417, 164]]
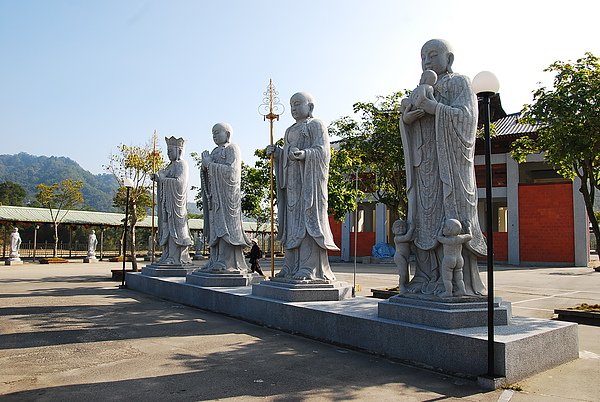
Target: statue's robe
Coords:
[[221, 200], [303, 221], [173, 230], [439, 155]]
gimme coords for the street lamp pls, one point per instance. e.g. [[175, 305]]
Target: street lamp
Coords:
[[485, 84], [127, 183]]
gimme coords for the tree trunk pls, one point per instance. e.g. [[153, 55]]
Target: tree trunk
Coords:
[[132, 232], [589, 207], [121, 239], [55, 251]]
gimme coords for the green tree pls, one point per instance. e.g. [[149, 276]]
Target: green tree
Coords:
[[255, 192], [137, 163], [374, 141], [568, 127], [12, 194], [59, 198], [342, 185]]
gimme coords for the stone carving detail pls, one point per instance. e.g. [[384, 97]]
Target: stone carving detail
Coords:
[[438, 134], [221, 200], [173, 231], [302, 169]]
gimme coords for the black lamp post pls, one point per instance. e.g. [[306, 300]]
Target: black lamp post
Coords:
[[127, 183], [485, 84]]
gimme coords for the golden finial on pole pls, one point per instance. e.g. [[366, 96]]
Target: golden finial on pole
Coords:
[[271, 109]]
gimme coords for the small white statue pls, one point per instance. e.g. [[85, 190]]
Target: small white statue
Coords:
[[92, 243], [15, 244]]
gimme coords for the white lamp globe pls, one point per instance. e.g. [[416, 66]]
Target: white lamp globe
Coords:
[[127, 182], [485, 81]]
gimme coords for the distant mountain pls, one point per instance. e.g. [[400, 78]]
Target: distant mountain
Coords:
[[29, 171]]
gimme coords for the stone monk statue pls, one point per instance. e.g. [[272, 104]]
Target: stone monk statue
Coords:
[[302, 170], [221, 200], [92, 243], [15, 244], [438, 136], [173, 231]]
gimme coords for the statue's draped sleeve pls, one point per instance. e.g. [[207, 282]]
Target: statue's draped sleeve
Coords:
[[456, 126]]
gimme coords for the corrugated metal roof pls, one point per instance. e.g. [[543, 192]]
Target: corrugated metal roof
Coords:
[[42, 215], [510, 125]]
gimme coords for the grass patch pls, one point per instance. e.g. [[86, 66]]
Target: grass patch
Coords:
[[513, 387], [587, 307], [53, 260]]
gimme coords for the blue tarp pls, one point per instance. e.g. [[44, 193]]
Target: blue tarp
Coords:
[[383, 250]]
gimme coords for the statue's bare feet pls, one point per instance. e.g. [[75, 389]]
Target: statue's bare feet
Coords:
[[413, 287], [303, 274]]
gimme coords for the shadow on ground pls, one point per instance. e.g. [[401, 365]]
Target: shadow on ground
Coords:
[[261, 363]]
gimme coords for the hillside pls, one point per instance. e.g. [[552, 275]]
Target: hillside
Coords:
[[29, 171]]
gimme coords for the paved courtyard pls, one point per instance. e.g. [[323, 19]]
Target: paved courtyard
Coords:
[[68, 333]]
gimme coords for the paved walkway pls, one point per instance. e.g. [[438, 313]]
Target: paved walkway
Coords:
[[68, 333]]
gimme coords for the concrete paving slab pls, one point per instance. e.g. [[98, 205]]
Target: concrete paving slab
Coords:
[[68, 333]]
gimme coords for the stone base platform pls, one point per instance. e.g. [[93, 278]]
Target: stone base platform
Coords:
[[90, 260], [168, 270], [451, 312], [524, 347], [13, 262], [294, 291], [225, 279]]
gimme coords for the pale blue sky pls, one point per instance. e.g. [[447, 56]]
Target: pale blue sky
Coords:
[[79, 77]]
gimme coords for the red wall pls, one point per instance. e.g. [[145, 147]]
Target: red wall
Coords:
[[500, 246], [365, 243], [336, 230], [546, 223]]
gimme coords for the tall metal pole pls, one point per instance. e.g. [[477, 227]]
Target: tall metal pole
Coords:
[[355, 237], [489, 230], [152, 251], [269, 109], [271, 174]]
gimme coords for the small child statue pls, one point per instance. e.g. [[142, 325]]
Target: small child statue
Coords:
[[402, 238], [422, 91], [452, 264]]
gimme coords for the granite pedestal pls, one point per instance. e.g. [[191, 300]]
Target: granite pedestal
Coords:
[[90, 260], [13, 261], [165, 270], [522, 348], [225, 279], [451, 312], [292, 290]]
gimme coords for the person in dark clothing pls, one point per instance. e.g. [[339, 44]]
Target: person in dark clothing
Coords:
[[255, 255]]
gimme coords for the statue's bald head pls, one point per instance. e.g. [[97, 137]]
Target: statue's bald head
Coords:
[[225, 126], [437, 55]]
